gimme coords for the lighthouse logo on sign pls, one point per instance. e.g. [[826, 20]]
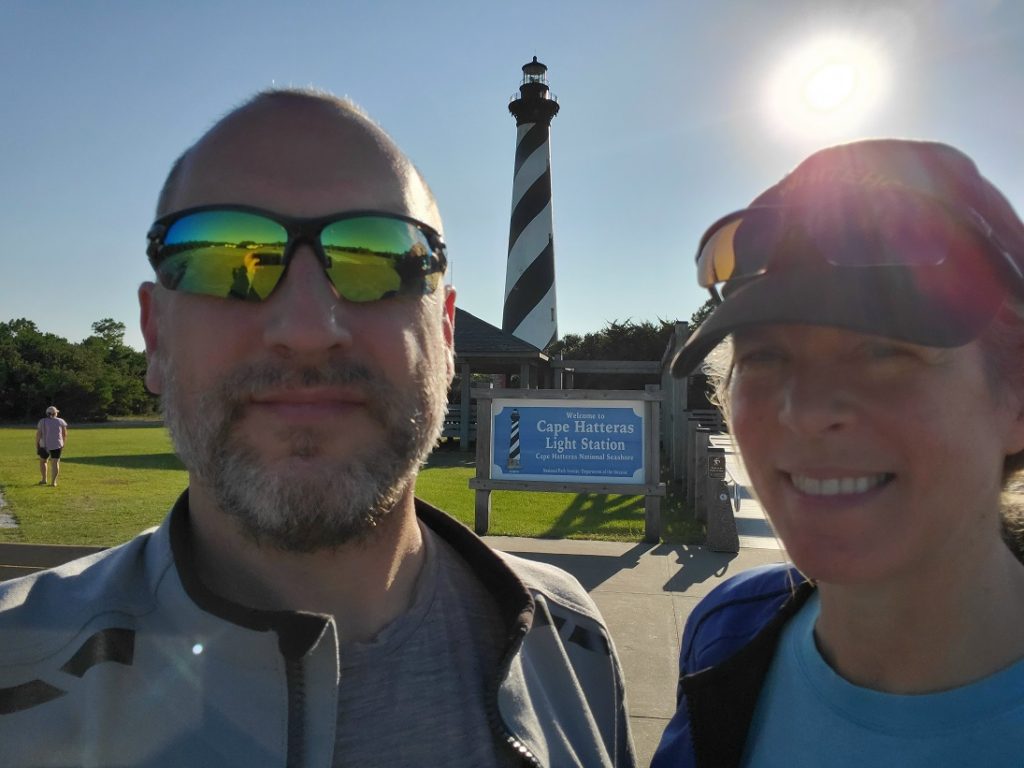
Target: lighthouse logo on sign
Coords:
[[513, 441]]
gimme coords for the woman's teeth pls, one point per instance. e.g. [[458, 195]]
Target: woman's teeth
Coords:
[[834, 486]]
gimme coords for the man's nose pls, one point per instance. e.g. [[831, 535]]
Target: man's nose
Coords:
[[305, 315]]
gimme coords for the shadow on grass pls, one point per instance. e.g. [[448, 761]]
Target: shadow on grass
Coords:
[[119, 424], [589, 512], [443, 457], [129, 461], [114, 423]]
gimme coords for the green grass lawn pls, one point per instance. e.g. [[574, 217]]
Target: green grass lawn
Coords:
[[444, 482], [114, 482], [118, 479]]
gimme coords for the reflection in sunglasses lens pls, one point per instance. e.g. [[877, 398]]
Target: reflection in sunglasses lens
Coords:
[[241, 255]]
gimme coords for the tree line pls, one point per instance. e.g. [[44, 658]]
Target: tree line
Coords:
[[92, 380], [622, 341], [101, 376]]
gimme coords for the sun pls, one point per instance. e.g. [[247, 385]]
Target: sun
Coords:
[[826, 87], [831, 86]]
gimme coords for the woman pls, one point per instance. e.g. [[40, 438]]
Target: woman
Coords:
[[875, 389]]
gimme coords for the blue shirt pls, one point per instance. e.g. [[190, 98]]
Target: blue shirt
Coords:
[[807, 715]]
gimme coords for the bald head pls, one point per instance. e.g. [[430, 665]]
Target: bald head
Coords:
[[301, 153]]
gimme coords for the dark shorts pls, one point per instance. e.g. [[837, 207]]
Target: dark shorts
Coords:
[[45, 454]]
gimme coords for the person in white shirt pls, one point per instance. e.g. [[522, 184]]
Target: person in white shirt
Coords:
[[51, 436]]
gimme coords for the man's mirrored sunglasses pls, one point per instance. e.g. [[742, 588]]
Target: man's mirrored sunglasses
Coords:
[[233, 251]]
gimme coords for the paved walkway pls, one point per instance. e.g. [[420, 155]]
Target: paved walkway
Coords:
[[645, 592], [6, 520]]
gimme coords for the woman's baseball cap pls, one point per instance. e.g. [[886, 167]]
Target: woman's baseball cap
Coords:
[[896, 238]]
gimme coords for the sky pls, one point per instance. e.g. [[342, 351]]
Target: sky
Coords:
[[673, 113]]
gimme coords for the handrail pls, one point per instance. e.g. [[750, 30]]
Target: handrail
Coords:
[[735, 490], [547, 95]]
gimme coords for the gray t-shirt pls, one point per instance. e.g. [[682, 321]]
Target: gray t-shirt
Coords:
[[417, 694]]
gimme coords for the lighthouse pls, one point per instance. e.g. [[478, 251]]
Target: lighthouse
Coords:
[[529, 312]]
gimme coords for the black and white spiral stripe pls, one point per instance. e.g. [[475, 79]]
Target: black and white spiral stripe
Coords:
[[529, 312]]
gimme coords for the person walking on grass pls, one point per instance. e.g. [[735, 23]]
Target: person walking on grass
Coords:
[[51, 436]]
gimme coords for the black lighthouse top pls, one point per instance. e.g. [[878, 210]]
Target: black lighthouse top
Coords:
[[535, 103], [535, 72]]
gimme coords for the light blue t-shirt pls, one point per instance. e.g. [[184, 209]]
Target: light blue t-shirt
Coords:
[[807, 715]]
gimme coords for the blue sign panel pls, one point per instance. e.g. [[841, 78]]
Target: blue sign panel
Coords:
[[568, 441]]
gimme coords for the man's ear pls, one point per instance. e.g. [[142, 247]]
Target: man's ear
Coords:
[[449, 316], [1015, 438], [448, 323], [149, 311], [1015, 399]]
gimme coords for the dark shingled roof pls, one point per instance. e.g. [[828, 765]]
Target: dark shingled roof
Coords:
[[476, 338]]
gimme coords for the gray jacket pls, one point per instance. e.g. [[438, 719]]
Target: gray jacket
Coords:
[[124, 658]]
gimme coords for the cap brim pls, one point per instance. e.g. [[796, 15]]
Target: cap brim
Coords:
[[921, 306]]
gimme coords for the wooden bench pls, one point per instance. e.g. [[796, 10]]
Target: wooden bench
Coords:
[[23, 559], [453, 422]]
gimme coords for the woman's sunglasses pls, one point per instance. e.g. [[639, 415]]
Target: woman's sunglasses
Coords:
[[864, 230], [233, 251]]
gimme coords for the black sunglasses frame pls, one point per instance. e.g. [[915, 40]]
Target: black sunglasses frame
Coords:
[[306, 230]]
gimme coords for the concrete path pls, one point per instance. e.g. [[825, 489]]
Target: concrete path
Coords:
[[646, 591], [6, 519]]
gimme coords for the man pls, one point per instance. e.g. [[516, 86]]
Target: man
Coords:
[[299, 606], [51, 435]]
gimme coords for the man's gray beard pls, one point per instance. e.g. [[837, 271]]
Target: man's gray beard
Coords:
[[343, 501]]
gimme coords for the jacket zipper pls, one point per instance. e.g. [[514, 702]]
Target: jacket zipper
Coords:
[[494, 715], [296, 713], [521, 749]]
